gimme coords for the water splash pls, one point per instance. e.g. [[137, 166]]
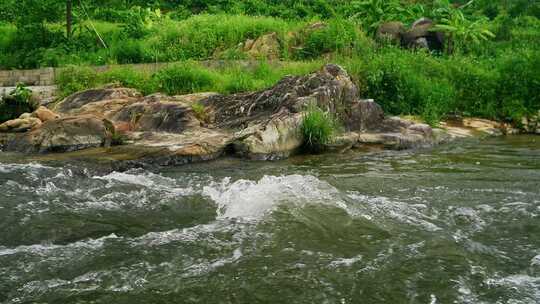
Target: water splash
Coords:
[[253, 199]]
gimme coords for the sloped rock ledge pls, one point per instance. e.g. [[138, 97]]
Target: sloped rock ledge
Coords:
[[165, 130]]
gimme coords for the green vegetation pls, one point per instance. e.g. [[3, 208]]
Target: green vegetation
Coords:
[[489, 69], [200, 111], [184, 77], [17, 102], [318, 128]]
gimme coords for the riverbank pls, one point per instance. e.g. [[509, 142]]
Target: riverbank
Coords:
[[127, 129]]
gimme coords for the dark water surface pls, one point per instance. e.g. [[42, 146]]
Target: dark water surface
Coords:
[[456, 224]]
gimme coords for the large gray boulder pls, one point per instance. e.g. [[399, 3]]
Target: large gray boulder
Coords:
[[80, 99], [421, 35], [330, 88], [391, 32]]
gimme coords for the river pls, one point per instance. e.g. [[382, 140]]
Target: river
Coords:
[[459, 223]]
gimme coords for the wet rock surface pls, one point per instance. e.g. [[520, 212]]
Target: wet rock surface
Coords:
[[64, 135]]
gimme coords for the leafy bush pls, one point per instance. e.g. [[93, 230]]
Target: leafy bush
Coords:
[[73, 79], [139, 21], [407, 83], [128, 77], [199, 36], [317, 128], [463, 31], [200, 111], [184, 78], [18, 101], [337, 35], [519, 84], [130, 51], [476, 86]]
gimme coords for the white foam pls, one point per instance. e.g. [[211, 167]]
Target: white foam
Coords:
[[39, 249], [345, 262], [527, 286], [148, 180], [535, 261], [8, 168], [253, 199], [380, 207]]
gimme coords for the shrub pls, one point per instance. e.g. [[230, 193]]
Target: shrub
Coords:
[[73, 79], [200, 111], [317, 128], [128, 77], [476, 85], [337, 35], [199, 36], [407, 83], [139, 21], [18, 101], [518, 88], [130, 51], [184, 78], [237, 80]]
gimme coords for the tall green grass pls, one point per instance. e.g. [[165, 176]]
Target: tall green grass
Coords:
[[198, 37], [318, 128], [184, 77]]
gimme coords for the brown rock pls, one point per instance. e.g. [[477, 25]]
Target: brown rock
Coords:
[[20, 124], [63, 135], [45, 114], [77, 100], [264, 47], [162, 116], [391, 31]]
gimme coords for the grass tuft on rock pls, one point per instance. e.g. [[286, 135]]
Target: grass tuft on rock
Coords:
[[318, 128]]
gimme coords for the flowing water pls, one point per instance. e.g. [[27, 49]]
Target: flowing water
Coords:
[[456, 224]]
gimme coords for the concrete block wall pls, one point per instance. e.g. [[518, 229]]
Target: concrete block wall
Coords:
[[46, 76]]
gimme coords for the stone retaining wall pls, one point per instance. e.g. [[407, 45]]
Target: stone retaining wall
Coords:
[[47, 76]]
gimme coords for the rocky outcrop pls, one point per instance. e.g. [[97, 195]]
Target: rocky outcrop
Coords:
[[531, 124], [74, 102], [419, 35], [172, 130], [265, 47], [22, 124], [331, 89], [390, 32], [44, 114], [275, 139], [64, 135], [28, 121]]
